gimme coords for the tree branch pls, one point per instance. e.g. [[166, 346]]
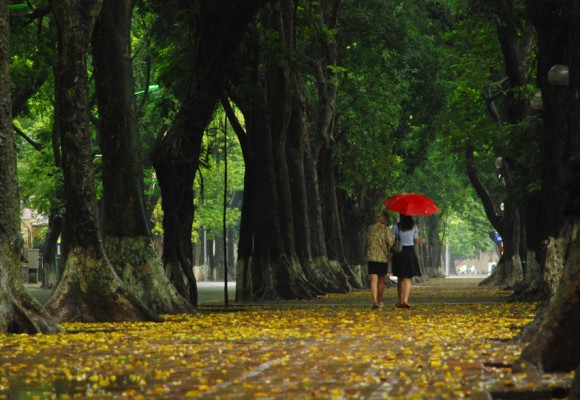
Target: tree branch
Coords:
[[482, 192], [37, 146], [238, 128]]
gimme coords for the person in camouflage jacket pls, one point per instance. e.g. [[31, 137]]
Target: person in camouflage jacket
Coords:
[[379, 240]]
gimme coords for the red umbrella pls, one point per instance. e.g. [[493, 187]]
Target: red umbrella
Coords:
[[411, 204]]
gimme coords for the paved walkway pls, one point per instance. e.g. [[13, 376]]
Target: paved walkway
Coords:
[[454, 343]]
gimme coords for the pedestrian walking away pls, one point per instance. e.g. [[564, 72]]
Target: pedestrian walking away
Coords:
[[379, 240], [406, 264]]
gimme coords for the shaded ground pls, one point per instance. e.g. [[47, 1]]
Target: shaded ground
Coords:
[[208, 292], [454, 343]]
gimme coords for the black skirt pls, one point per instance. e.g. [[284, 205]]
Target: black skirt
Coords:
[[406, 263], [379, 268]]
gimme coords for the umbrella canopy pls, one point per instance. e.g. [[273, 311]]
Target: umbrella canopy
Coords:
[[411, 204]]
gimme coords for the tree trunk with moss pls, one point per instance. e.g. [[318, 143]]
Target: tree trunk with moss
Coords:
[[89, 290], [19, 312], [127, 240]]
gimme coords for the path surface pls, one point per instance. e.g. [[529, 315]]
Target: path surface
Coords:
[[454, 343], [451, 290]]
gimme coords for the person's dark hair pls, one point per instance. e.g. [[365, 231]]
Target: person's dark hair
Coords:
[[383, 217], [406, 223]]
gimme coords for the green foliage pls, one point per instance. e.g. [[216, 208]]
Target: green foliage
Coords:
[[464, 227], [469, 232], [165, 31], [210, 188], [410, 75], [474, 69], [389, 93], [37, 175], [209, 184]]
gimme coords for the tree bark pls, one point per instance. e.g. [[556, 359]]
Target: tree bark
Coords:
[[556, 345], [89, 290], [508, 270], [19, 312], [290, 235], [176, 155], [55, 225], [515, 44], [356, 216], [556, 143], [127, 240], [57, 215]]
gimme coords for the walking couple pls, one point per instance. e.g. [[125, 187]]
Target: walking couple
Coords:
[[405, 265]]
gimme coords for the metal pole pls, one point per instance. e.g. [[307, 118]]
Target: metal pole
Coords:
[[225, 231]]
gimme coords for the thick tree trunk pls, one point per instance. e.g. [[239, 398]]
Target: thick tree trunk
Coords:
[[308, 224], [89, 290], [343, 274], [355, 217], [177, 202], [127, 239], [284, 233], [552, 29], [19, 312], [176, 156], [556, 345], [124, 209], [321, 146]]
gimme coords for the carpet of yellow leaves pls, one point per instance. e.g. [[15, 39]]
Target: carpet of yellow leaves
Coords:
[[454, 343]]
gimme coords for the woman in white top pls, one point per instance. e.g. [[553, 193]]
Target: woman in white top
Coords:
[[406, 263]]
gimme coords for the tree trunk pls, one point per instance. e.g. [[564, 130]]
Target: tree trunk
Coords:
[[344, 276], [354, 221], [309, 236], [433, 247], [290, 234], [19, 312], [508, 271], [244, 263], [296, 261], [516, 46], [89, 290], [55, 224], [57, 209], [556, 144], [556, 345], [507, 223], [176, 156], [127, 239]]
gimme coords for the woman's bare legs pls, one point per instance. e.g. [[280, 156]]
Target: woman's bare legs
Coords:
[[380, 289], [400, 290], [377, 288], [406, 290]]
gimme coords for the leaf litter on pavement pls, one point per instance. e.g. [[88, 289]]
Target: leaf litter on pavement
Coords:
[[335, 347]]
